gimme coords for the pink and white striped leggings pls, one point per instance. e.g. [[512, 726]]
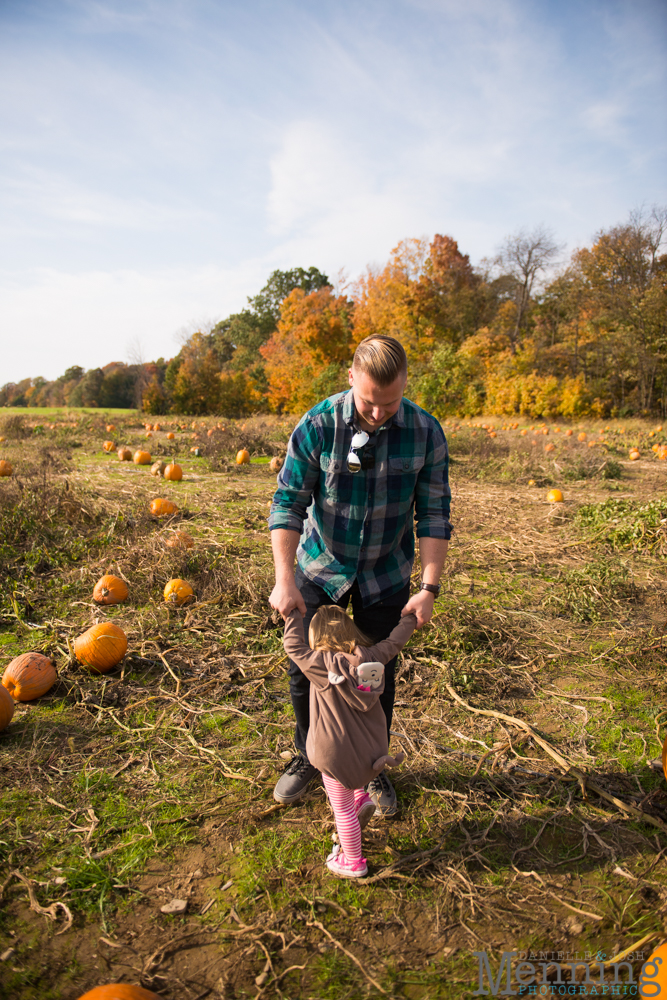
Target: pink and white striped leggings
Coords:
[[343, 802]]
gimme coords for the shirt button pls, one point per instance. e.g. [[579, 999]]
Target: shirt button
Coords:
[[406, 465]]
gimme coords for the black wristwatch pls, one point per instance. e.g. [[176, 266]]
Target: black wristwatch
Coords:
[[433, 588]]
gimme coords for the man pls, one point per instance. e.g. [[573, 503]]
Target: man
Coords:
[[360, 467]]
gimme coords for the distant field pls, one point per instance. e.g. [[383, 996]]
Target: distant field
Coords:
[[61, 411], [531, 710]]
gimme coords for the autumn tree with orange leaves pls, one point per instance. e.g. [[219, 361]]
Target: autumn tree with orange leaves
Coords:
[[307, 357]]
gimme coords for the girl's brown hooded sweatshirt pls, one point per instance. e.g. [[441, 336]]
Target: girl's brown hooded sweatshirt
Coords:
[[348, 729]]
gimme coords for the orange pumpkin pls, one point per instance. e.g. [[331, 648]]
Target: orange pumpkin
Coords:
[[5, 468], [173, 472], [211, 432], [142, 457], [110, 590], [634, 454], [157, 468], [242, 457], [157, 427], [179, 540], [111, 428], [549, 447], [582, 436], [29, 676], [124, 454], [276, 464], [170, 436], [119, 991], [178, 592], [101, 647], [554, 496], [6, 708], [163, 508], [108, 446], [149, 434]]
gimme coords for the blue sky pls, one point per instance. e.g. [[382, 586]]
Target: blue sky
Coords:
[[159, 158]]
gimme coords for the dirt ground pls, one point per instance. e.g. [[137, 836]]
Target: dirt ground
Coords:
[[533, 806]]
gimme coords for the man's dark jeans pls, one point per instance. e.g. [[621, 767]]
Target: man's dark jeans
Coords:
[[376, 621]]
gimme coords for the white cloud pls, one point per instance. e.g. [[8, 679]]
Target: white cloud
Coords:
[[50, 320]]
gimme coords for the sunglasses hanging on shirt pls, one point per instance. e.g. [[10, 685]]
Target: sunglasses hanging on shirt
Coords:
[[353, 460]]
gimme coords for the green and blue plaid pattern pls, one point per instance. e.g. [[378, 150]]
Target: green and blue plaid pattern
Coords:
[[360, 526]]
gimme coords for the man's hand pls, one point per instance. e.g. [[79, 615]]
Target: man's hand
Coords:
[[285, 597], [421, 605]]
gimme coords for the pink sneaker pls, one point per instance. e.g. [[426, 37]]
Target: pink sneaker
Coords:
[[339, 865], [365, 810]]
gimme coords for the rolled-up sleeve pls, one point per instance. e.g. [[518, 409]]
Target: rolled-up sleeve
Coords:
[[432, 492], [297, 479]]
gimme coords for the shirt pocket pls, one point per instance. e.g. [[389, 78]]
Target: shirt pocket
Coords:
[[402, 472], [335, 481]]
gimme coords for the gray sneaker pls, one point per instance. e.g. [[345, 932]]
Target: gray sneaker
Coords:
[[383, 795], [294, 780]]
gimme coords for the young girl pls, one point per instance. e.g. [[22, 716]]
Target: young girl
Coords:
[[347, 737]]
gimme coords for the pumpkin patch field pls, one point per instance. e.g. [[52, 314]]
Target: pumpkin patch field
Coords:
[[140, 743]]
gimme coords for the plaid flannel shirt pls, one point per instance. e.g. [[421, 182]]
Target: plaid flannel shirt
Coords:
[[360, 525]]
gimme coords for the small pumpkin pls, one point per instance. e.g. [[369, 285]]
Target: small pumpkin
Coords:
[[6, 708], [549, 447], [634, 454], [531, 482], [124, 454], [179, 540], [173, 472], [111, 428], [242, 457], [149, 434], [178, 592], [109, 446], [211, 432], [5, 468], [29, 676], [554, 496], [142, 457], [163, 508], [157, 468], [157, 427], [582, 436], [276, 463], [119, 991], [170, 436], [110, 589], [101, 647]]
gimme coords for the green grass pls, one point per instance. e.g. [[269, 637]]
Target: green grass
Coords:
[[550, 610]]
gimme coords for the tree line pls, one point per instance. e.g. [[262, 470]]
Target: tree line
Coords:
[[519, 334]]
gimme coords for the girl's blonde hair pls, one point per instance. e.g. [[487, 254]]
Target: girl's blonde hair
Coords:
[[331, 628]]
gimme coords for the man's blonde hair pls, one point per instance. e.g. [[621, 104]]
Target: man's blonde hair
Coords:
[[331, 628], [381, 358]]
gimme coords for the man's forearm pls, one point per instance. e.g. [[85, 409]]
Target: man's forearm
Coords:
[[284, 544], [432, 553]]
